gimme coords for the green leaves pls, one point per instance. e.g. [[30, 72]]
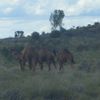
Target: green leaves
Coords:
[[56, 18]]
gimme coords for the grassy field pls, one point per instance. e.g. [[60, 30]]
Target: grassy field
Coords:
[[79, 83], [82, 82]]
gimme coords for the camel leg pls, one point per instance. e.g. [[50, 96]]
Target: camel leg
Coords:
[[41, 65], [22, 65], [33, 66], [61, 66], [30, 63], [49, 65], [54, 63], [72, 63]]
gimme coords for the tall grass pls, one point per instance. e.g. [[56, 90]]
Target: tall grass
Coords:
[[68, 84]]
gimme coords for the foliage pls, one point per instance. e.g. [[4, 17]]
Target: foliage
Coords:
[[56, 18], [19, 34], [55, 34], [35, 36]]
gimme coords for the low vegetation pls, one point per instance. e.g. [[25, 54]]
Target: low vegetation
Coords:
[[78, 83]]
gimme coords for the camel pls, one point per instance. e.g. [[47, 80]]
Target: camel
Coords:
[[63, 56]]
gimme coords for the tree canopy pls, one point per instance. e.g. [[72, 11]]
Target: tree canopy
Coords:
[[56, 19], [35, 35], [19, 34]]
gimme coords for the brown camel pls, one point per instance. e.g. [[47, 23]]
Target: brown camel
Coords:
[[46, 56], [29, 55], [63, 56], [34, 56]]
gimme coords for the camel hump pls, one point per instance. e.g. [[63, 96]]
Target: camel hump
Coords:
[[27, 51], [27, 48]]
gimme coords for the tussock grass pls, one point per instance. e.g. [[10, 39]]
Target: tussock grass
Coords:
[[68, 84]]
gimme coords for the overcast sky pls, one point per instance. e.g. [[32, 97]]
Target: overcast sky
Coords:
[[33, 15]]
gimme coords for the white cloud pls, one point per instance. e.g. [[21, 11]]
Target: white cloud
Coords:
[[8, 6], [80, 21], [7, 10], [74, 9], [42, 7], [83, 6], [6, 23], [10, 2], [37, 8]]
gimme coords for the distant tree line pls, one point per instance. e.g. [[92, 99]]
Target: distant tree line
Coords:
[[58, 33], [57, 29]]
